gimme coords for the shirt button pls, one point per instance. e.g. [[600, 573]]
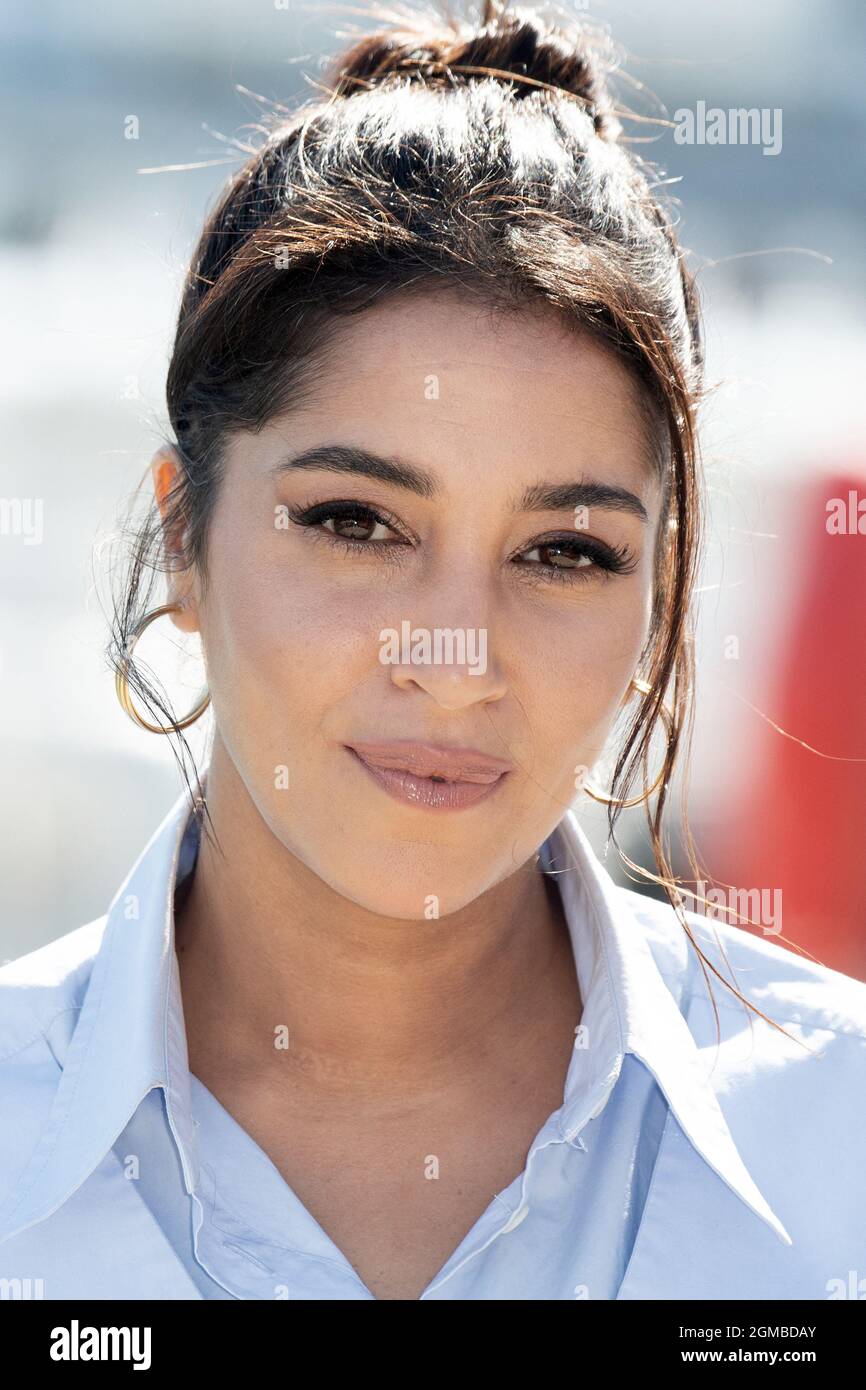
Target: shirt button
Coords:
[[515, 1220]]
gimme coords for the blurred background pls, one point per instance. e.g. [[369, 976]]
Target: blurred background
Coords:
[[93, 247]]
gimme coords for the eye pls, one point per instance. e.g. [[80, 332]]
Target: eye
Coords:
[[558, 555], [357, 526], [574, 559], [354, 523]]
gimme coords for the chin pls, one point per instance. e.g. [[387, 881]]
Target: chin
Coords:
[[408, 882]]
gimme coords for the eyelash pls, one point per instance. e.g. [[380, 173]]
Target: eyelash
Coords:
[[607, 560]]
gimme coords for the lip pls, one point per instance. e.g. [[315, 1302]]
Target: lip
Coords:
[[430, 776]]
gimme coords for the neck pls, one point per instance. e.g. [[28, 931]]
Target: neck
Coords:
[[370, 1004]]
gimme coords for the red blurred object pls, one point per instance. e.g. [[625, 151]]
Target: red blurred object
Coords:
[[799, 820]]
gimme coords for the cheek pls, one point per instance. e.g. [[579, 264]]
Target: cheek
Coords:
[[577, 656], [575, 662], [282, 646]]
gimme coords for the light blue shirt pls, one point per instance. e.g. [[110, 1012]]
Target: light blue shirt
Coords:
[[670, 1170]]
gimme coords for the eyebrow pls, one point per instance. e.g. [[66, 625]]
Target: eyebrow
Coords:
[[539, 497]]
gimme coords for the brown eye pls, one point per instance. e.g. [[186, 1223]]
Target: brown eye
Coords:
[[359, 527], [561, 557], [356, 524], [574, 559]]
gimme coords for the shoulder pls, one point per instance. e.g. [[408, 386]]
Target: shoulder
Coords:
[[789, 987], [40, 990], [41, 995], [788, 1083]]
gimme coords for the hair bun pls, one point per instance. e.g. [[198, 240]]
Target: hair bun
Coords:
[[508, 44]]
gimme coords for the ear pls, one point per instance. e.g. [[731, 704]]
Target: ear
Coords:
[[181, 581]]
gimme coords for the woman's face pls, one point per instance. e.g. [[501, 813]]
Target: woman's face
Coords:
[[425, 597]]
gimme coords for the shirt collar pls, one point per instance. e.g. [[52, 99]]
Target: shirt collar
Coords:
[[130, 1036], [629, 1008]]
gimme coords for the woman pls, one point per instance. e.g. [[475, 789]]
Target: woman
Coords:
[[369, 1020]]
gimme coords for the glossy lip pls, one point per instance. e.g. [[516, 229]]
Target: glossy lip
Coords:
[[431, 777]]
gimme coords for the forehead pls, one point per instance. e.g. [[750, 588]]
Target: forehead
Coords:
[[477, 392]]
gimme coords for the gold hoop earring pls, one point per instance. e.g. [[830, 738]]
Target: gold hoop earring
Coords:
[[643, 688], [121, 679]]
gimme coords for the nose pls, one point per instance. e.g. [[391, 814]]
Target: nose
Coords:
[[453, 665]]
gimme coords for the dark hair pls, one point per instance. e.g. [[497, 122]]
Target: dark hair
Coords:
[[485, 155]]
